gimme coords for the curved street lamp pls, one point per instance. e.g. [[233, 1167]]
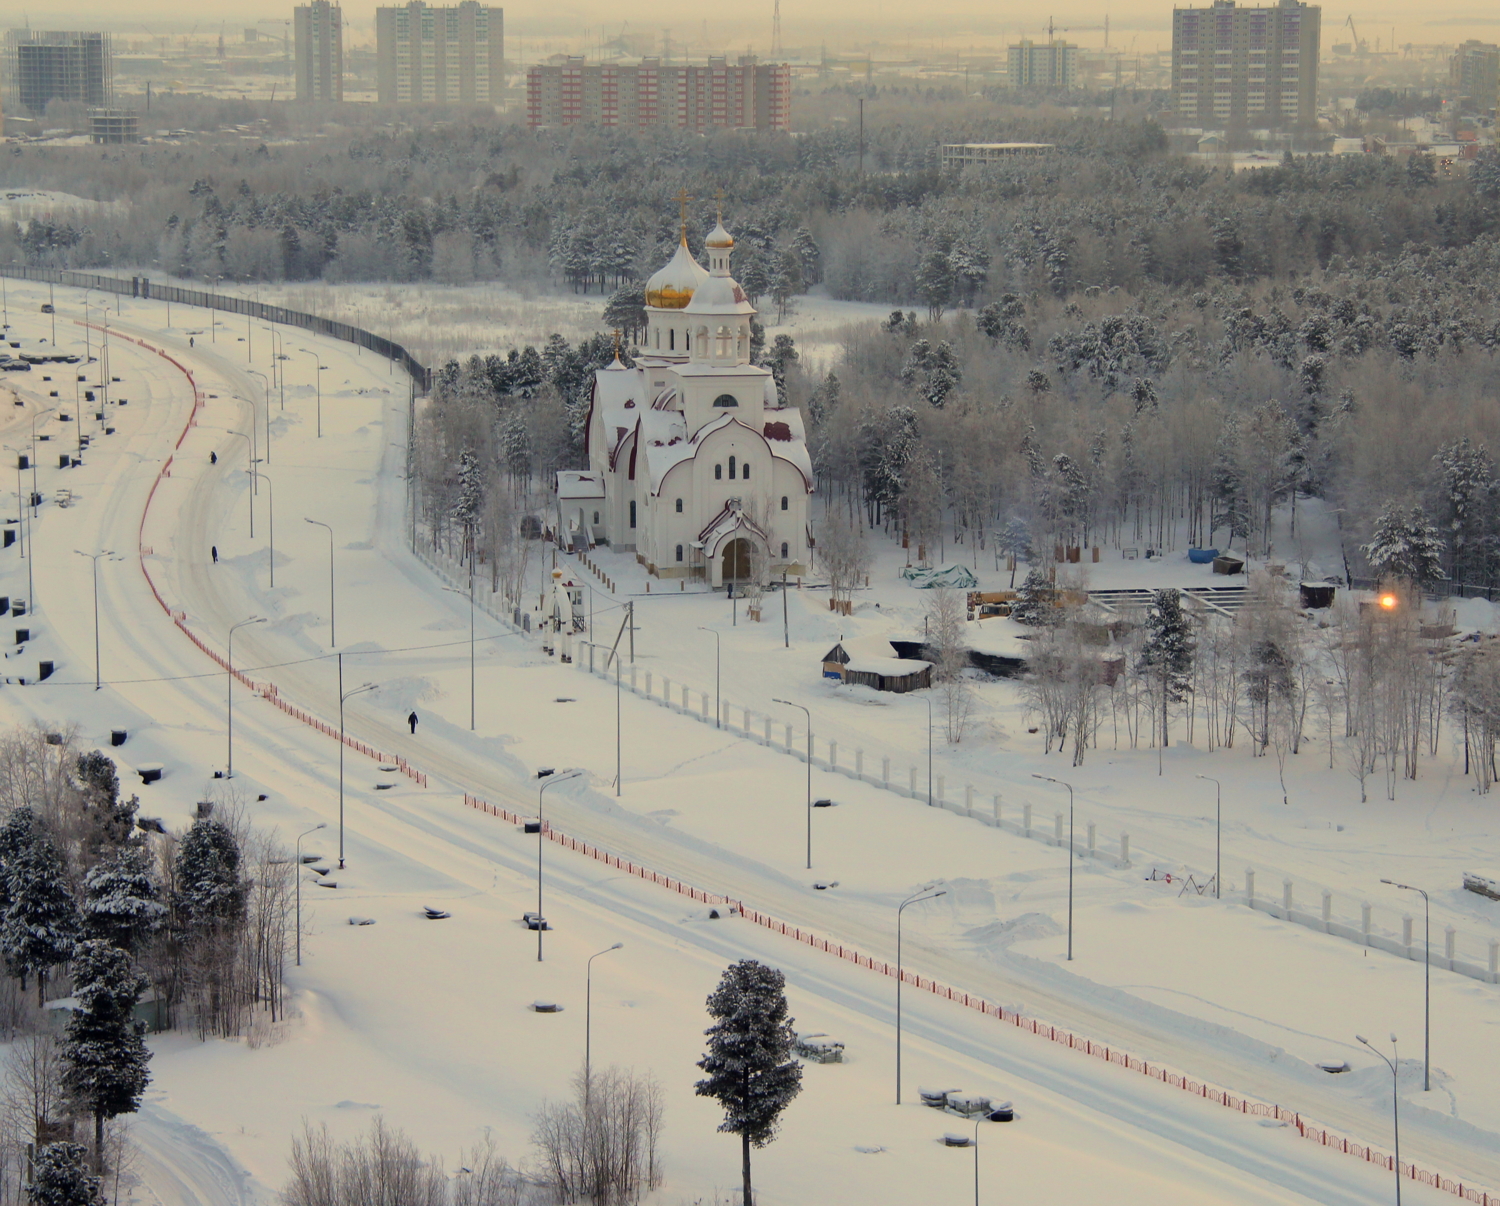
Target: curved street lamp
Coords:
[[1069, 786], [229, 709], [1395, 1102], [300, 836], [588, 1016], [924, 894], [788, 703], [541, 837]]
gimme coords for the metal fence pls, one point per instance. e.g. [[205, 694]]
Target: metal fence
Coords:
[[143, 288]]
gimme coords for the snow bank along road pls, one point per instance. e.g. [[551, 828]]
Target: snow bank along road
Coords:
[[143, 644]]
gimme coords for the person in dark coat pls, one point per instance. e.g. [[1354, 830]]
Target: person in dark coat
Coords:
[[215, 551], [213, 458], [412, 720]]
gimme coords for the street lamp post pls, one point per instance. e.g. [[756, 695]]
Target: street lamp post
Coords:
[[319, 375], [94, 557], [1426, 983], [300, 836], [1069, 786], [808, 714], [718, 701], [924, 894], [271, 515], [266, 381], [250, 498], [344, 695], [541, 836], [588, 1017], [23, 533], [333, 632], [229, 709], [1218, 835], [1395, 1102]]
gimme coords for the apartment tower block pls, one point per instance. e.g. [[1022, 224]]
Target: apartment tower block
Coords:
[[319, 39], [1246, 67], [453, 54], [718, 94]]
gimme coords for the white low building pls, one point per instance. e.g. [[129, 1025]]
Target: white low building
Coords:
[[693, 463]]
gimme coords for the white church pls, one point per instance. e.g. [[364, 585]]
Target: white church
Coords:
[[693, 463]]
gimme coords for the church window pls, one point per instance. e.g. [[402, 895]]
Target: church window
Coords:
[[745, 471], [718, 472], [702, 341], [632, 512], [679, 552], [783, 550], [723, 338], [726, 400], [783, 502], [679, 506], [672, 340], [742, 344], [596, 516], [731, 468], [658, 337]]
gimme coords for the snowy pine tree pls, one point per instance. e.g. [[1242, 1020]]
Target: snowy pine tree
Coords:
[[1034, 607], [1014, 540], [40, 923], [61, 1177], [1167, 654], [104, 1056], [122, 902], [111, 820], [1405, 546], [209, 894], [1466, 509], [749, 1065], [470, 498]]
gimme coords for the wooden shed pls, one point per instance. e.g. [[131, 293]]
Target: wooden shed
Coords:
[[882, 673]]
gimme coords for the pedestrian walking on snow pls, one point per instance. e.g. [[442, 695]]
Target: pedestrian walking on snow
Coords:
[[412, 720], [213, 458], [215, 551], [190, 341]]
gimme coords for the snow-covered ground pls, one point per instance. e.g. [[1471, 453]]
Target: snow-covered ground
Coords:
[[428, 1022], [437, 323]]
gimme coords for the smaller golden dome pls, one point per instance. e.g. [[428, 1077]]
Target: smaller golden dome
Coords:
[[719, 237]]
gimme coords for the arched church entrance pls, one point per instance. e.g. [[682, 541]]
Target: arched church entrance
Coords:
[[737, 560]]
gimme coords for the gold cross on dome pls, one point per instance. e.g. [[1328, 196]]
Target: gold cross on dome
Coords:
[[617, 343], [682, 200], [719, 199]]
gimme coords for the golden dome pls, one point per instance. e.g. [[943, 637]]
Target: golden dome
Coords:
[[719, 237], [673, 285]]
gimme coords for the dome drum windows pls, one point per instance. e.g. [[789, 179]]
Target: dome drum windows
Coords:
[[726, 400], [679, 506]]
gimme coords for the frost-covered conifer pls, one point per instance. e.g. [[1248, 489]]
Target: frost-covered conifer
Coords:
[[61, 1177], [122, 904], [40, 925], [105, 1059], [749, 1067], [1405, 545]]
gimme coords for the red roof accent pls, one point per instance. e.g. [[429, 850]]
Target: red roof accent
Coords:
[[778, 431]]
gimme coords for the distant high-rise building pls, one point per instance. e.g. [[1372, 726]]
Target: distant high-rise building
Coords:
[[319, 39], [1246, 67], [1043, 65], [718, 94], [1474, 72], [48, 65], [427, 53]]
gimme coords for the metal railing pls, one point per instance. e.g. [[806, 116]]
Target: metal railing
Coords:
[[145, 289]]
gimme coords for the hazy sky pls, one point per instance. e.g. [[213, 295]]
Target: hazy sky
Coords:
[[842, 24]]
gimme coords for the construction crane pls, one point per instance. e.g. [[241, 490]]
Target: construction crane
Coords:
[[286, 41], [1054, 30], [1361, 45]]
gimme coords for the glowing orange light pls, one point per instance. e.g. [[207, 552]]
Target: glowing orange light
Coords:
[[1388, 602]]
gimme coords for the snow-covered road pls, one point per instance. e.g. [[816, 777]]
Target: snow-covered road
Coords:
[[414, 841]]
